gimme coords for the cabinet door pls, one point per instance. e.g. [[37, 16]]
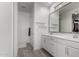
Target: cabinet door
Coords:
[[43, 42], [72, 52], [61, 50], [51, 46]]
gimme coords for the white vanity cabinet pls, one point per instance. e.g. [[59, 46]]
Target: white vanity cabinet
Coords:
[[67, 48], [49, 44], [60, 47], [72, 52], [61, 50], [66, 51]]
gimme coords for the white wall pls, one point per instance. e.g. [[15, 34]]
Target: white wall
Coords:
[[40, 16], [15, 19], [6, 29], [23, 25], [66, 22], [25, 21]]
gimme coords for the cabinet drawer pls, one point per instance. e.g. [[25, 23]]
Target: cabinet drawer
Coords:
[[46, 36], [49, 38], [73, 44], [60, 41], [68, 43]]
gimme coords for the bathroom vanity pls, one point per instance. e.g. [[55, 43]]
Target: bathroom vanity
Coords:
[[61, 46], [63, 20]]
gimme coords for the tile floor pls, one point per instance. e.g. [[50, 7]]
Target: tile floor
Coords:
[[29, 52]]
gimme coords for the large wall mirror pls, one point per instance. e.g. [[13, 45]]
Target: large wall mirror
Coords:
[[65, 19]]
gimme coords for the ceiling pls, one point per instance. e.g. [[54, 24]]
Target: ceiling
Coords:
[[25, 4], [71, 6], [28, 4]]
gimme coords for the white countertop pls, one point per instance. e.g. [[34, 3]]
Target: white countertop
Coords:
[[64, 36]]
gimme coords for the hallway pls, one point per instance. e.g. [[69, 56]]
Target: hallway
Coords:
[[28, 52]]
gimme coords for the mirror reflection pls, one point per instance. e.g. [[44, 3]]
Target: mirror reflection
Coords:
[[64, 17]]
